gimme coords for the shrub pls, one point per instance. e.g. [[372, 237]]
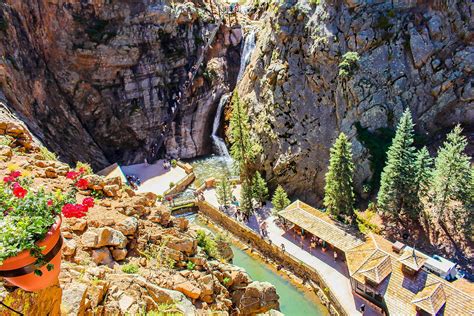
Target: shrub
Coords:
[[171, 184], [159, 197], [130, 268], [348, 64], [314, 2], [226, 280], [208, 244], [190, 265], [46, 154], [174, 163]]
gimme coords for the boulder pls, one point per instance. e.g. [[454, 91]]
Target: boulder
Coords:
[[102, 256], [5, 151], [89, 239], [73, 299], [69, 247], [125, 302], [128, 226], [186, 245], [112, 190], [111, 237], [119, 254], [258, 297], [188, 289], [77, 224]]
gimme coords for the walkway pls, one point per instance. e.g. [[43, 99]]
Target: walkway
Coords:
[[334, 273], [154, 178]]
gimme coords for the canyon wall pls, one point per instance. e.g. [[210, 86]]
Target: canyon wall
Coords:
[[415, 54], [109, 73]]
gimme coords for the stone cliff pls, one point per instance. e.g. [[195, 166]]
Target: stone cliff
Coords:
[[416, 55], [109, 74]]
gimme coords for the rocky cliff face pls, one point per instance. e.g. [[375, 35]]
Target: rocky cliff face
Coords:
[[109, 73], [411, 55]]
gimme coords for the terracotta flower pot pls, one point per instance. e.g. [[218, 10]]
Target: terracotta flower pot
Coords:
[[19, 270]]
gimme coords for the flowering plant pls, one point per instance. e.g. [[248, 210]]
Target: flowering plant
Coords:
[[27, 215]]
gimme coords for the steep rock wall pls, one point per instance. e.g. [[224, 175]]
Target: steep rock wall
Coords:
[[416, 55], [109, 73]]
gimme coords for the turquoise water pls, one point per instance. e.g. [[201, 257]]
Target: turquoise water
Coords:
[[293, 302], [212, 166]]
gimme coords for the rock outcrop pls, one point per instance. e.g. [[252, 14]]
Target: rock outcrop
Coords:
[[411, 54], [117, 262], [110, 74]]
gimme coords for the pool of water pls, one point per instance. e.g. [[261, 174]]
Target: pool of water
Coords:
[[212, 166], [293, 301]]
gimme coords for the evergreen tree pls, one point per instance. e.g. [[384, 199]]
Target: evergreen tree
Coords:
[[339, 189], [423, 173], [280, 199], [244, 148], [397, 184], [246, 198], [224, 191], [259, 188], [452, 178]]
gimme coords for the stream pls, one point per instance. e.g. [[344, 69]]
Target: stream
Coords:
[[293, 301]]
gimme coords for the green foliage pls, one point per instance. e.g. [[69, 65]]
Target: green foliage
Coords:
[[280, 199], [165, 309], [224, 191], [259, 188], [174, 163], [6, 140], [244, 148], [46, 154], [377, 143], [158, 254], [339, 188], [453, 175], [226, 280], [209, 75], [364, 221], [84, 166], [423, 173], [171, 184], [348, 64], [397, 185], [246, 193], [190, 265], [130, 268], [383, 23], [208, 244], [314, 2]]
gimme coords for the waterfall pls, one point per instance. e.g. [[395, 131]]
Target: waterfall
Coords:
[[247, 50], [218, 141]]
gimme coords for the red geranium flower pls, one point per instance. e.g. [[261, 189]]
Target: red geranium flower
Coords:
[[82, 184], [50, 203], [15, 174], [82, 170], [19, 191], [74, 210], [8, 179], [72, 175], [89, 202]]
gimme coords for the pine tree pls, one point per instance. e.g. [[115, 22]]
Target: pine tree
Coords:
[[246, 198], [224, 191], [452, 178], [339, 189], [423, 173], [244, 148], [280, 199], [397, 184], [259, 188]]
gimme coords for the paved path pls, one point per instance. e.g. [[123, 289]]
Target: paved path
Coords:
[[154, 178], [335, 273]]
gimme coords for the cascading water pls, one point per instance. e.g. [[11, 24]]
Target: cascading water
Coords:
[[219, 143], [249, 46]]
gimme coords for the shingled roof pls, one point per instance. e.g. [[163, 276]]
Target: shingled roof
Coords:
[[321, 225], [403, 292], [431, 298]]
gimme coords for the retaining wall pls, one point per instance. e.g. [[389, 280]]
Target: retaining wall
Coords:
[[181, 185], [274, 252]]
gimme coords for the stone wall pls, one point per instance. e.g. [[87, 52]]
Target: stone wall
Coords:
[[181, 185], [269, 250]]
